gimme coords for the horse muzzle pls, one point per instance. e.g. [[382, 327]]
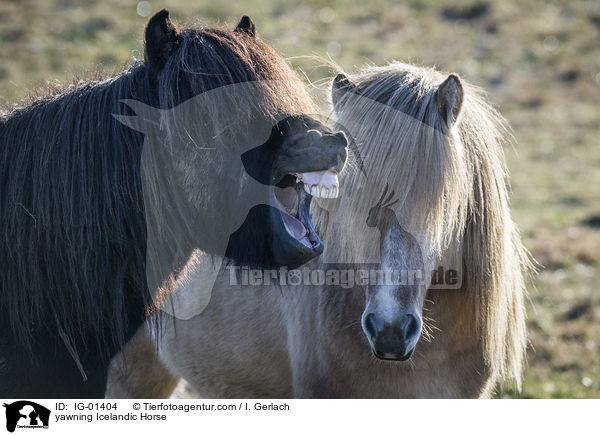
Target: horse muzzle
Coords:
[[392, 338]]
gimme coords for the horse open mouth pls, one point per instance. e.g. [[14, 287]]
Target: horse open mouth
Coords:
[[293, 195]]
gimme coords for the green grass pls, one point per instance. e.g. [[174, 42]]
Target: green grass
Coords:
[[539, 61]]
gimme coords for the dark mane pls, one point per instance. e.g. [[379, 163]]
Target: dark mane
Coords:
[[71, 205], [73, 241]]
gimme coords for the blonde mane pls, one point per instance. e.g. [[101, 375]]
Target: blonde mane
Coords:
[[452, 189]]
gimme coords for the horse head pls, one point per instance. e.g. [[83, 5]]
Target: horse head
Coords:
[[413, 143]]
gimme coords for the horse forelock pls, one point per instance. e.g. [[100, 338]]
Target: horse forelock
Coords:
[[404, 143], [452, 189]]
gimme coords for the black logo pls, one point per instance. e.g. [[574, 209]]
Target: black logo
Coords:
[[26, 414]]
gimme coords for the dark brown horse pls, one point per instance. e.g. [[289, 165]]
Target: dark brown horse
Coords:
[[74, 185]]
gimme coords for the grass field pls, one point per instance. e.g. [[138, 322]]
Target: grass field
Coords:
[[539, 61]]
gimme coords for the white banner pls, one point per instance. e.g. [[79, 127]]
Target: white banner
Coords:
[[300, 416]]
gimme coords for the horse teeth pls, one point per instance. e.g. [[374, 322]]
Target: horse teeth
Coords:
[[322, 190]]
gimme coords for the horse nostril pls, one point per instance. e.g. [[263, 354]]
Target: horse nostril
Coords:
[[372, 326], [411, 326]]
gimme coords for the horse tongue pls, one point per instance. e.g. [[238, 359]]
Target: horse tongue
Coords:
[[293, 226]]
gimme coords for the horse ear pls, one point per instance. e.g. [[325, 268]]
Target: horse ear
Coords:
[[161, 38], [246, 25], [450, 98], [341, 85]]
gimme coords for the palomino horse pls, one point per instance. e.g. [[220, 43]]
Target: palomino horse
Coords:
[[435, 141]]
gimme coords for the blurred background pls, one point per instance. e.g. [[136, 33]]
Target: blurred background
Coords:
[[538, 60]]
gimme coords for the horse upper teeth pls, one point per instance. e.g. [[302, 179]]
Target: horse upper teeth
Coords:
[[320, 184], [321, 191]]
